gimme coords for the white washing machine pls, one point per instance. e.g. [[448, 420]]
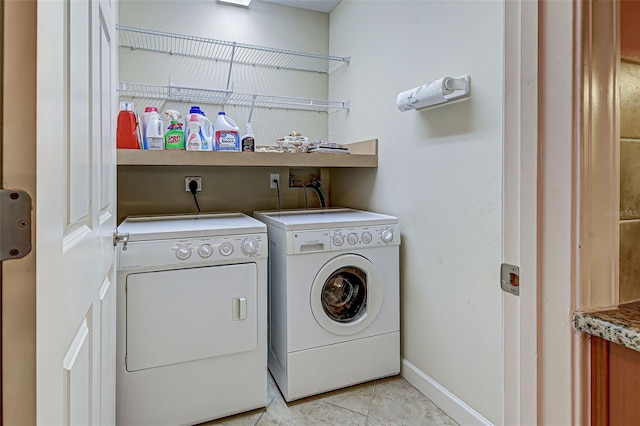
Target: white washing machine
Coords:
[[191, 323], [334, 308]]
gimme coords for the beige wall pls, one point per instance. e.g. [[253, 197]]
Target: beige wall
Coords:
[[439, 171], [629, 182], [144, 190]]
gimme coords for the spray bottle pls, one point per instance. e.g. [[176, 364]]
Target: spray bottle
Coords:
[[174, 137], [248, 142], [172, 115]]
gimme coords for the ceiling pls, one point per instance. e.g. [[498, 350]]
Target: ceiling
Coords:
[[318, 5]]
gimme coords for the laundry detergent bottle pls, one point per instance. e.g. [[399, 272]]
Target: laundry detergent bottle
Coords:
[[206, 128], [146, 116], [194, 141], [154, 132], [227, 134], [127, 133]]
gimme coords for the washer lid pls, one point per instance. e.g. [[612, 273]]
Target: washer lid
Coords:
[[145, 228], [323, 218]]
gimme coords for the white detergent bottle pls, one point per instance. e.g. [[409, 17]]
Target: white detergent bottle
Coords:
[[206, 128], [194, 140], [155, 132], [227, 134], [146, 116]]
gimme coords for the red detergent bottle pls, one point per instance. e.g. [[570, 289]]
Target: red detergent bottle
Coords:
[[127, 134]]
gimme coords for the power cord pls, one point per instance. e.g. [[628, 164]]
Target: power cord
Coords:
[[193, 187], [316, 186], [277, 182], [304, 189]]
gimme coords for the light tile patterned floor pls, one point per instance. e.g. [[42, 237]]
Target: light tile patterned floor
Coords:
[[385, 402]]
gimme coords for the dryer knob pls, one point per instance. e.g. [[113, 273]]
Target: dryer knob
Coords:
[[250, 246], [352, 238], [183, 252], [226, 249], [338, 239], [366, 237], [205, 250], [387, 235]]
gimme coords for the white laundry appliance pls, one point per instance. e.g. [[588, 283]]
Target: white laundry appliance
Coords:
[[334, 308], [191, 318]]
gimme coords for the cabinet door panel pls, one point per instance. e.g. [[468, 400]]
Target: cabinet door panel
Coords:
[[624, 386]]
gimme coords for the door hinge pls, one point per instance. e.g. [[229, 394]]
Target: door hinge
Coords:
[[120, 237], [510, 279], [15, 224]]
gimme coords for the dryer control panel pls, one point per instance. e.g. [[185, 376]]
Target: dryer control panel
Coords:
[[192, 251], [345, 238]]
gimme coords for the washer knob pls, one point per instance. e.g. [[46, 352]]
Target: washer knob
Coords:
[[250, 246], [226, 249], [387, 235], [352, 238], [205, 250], [338, 239], [183, 252], [366, 237]]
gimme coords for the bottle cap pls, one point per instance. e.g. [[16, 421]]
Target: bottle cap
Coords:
[[150, 109], [195, 109], [221, 113]]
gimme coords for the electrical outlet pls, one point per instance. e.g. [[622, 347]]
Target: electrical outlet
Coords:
[[188, 179], [273, 178]]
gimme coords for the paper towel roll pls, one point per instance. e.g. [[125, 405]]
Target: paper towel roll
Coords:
[[430, 94]]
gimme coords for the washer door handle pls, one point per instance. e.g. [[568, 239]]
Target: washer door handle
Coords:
[[239, 308]]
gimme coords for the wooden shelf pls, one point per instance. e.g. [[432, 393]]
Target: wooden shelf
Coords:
[[362, 154]]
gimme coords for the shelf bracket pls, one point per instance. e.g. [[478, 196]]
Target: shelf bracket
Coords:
[[233, 53]]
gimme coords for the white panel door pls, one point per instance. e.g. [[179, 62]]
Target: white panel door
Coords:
[[75, 212]]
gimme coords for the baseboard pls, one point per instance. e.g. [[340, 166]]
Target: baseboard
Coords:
[[448, 402]]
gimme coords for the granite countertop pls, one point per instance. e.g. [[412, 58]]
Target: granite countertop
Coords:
[[621, 325]]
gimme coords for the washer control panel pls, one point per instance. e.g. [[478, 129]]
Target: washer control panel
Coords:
[[372, 236], [192, 250], [336, 239]]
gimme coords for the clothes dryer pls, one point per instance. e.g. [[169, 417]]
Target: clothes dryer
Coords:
[[191, 318], [334, 316]]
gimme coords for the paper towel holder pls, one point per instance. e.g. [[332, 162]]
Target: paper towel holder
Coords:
[[457, 87], [448, 90]]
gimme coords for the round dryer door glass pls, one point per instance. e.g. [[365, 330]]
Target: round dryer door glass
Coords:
[[344, 294]]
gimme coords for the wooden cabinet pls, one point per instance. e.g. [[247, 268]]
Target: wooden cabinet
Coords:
[[615, 384]]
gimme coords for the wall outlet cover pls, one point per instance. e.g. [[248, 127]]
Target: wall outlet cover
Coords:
[[188, 179]]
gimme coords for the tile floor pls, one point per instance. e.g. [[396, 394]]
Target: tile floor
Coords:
[[385, 402]]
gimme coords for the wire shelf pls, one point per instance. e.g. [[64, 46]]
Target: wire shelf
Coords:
[[232, 52], [226, 97]]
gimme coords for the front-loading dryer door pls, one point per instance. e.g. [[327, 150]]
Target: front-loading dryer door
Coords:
[[189, 314], [346, 294]]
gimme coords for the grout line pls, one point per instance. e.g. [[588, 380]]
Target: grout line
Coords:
[[344, 408], [373, 395], [260, 416]]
